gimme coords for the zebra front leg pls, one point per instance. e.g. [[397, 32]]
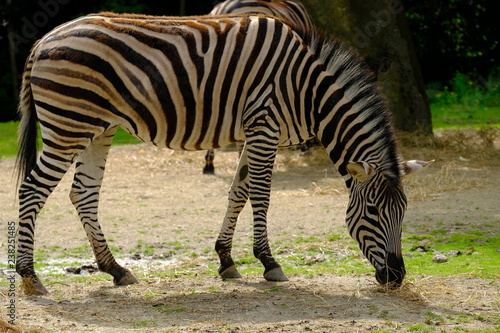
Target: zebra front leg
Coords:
[[84, 195], [261, 155], [238, 196]]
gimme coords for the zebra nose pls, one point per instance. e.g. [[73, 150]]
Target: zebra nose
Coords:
[[393, 273]]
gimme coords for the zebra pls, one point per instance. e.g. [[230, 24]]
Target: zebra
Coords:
[[197, 83], [294, 13]]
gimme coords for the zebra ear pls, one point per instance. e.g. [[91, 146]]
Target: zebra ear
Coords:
[[413, 167], [362, 171]]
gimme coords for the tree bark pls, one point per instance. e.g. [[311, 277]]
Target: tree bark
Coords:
[[379, 31], [12, 56]]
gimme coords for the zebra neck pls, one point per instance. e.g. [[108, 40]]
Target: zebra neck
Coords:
[[355, 126]]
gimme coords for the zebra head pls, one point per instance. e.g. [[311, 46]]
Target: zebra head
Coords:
[[377, 204]]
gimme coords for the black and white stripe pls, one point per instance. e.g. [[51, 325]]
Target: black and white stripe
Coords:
[[293, 13], [200, 83]]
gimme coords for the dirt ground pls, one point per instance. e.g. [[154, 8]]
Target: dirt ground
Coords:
[[156, 196]]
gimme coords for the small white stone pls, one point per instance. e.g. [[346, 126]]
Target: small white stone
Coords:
[[440, 258]]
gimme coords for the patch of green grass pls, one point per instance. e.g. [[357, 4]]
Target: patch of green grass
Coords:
[[168, 310], [8, 139], [434, 319], [336, 237], [145, 247], [55, 279], [310, 257], [420, 328], [465, 102], [466, 318], [83, 251], [460, 116], [144, 323], [116, 250], [309, 239], [41, 254], [471, 253], [175, 244]]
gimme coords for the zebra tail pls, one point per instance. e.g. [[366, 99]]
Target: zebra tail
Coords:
[[27, 130]]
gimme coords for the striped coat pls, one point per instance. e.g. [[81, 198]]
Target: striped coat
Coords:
[[199, 83], [293, 13]]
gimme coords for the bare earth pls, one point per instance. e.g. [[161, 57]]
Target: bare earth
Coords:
[[160, 197]]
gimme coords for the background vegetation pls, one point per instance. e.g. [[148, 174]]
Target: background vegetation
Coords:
[[456, 44]]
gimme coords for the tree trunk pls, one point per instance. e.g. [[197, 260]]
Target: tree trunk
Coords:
[[378, 30], [12, 55]]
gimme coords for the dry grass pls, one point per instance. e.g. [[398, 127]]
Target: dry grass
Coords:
[[459, 155], [5, 327], [450, 177], [27, 286], [477, 147], [206, 304], [409, 291]]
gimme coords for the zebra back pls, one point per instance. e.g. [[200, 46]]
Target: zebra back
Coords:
[[293, 13]]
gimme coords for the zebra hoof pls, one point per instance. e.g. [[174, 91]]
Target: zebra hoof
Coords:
[[230, 273], [276, 274], [33, 286], [209, 170], [127, 279]]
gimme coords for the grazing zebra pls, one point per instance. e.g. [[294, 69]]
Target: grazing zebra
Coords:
[[293, 13], [197, 83]]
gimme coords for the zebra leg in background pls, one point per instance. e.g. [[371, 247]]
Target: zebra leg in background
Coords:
[[238, 196], [209, 168], [33, 193], [209, 162], [261, 155], [84, 195], [239, 147]]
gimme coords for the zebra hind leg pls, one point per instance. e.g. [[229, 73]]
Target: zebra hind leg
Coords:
[[84, 195], [33, 193], [209, 163], [209, 168]]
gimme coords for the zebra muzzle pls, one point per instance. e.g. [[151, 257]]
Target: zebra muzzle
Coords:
[[393, 274]]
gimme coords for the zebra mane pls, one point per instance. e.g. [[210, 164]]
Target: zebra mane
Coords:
[[350, 70]]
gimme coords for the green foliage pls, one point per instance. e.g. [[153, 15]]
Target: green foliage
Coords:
[[122, 6], [8, 139], [453, 36], [466, 101]]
